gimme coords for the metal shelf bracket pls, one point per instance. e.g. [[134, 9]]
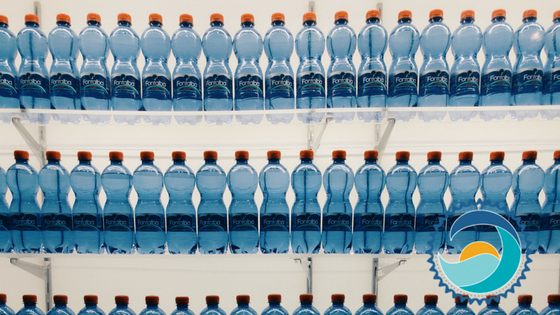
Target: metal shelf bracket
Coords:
[[380, 273], [381, 145], [37, 147], [307, 265], [42, 271], [313, 142]]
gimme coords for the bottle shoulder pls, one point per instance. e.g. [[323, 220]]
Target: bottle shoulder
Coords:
[[116, 170]]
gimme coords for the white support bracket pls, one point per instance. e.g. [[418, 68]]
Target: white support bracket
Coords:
[[313, 142], [38, 148], [307, 265], [381, 145], [379, 8], [42, 271], [380, 273]]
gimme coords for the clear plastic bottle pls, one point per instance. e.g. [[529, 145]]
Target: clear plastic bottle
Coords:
[[337, 212], [152, 306], [553, 307], [551, 83], [306, 211], [461, 306], [212, 212], [118, 220], [524, 306], [25, 215], [337, 307], [249, 85], [60, 306], [549, 237], [274, 181], [218, 86], [372, 73], [187, 79], [492, 306], [310, 78], [430, 306], [528, 181], [306, 306], [243, 307], [5, 228], [369, 307], [242, 182], [56, 213], [212, 307], [274, 307], [182, 306], [400, 307], [91, 307], [368, 215], [5, 309], [341, 75], [121, 307], [30, 306], [464, 181], [279, 75], [433, 180], [9, 80], [179, 182], [149, 214], [398, 236]]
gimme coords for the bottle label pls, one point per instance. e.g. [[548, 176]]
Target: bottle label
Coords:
[[86, 222], [310, 84], [550, 221], [218, 83], [403, 83], [465, 82], [427, 222], [8, 86], [95, 83], [552, 81], [156, 86], [337, 222], [495, 81], [243, 222], [306, 222], [186, 87], [212, 222], [274, 222], [248, 86], [181, 223], [527, 80], [126, 85], [434, 82], [531, 222], [32, 83], [341, 83], [4, 222], [25, 222], [63, 83], [118, 222], [371, 83], [280, 85], [368, 222], [399, 222], [149, 223], [57, 222]]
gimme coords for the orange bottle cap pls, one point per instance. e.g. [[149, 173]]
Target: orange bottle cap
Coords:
[[434, 156], [497, 155], [116, 155], [341, 15], [525, 299], [430, 299], [277, 17], [247, 17], [339, 155], [273, 155], [467, 155], [310, 16], [155, 17], [402, 155], [210, 155], [529, 13], [436, 13], [147, 155], [94, 17], [243, 299], [306, 298], [216, 17], [371, 155], [29, 298], [32, 18], [467, 14], [63, 18], [400, 298], [556, 15], [499, 12], [372, 14], [337, 298], [60, 299], [90, 299], [557, 154], [53, 155], [241, 155], [121, 299], [529, 155], [274, 298], [306, 154], [406, 14], [21, 155], [152, 299], [212, 299], [84, 155], [554, 298], [186, 18], [369, 298], [182, 300], [125, 17], [178, 155], [3, 19]]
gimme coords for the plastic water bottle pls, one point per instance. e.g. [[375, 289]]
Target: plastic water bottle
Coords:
[[461, 307], [337, 306], [243, 307], [337, 212], [5, 309], [117, 214], [372, 74], [495, 182], [179, 182], [64, 73], [430, 306], [306, 306], [218, 87], [524, 306], [156, 78], [433, 89], [553, 307], [464, 87], [149, 214], [212, 307], [492, 306], [87, 215], [274, 181], [398, 237], [25, 216], [91, 307], [310, 78], [433, 180], [528, 180], [121, 307], [187, 79], [403, 73], [279, 75], [125, 77], [212, 212], [30, 306], [369, 307], [341, 75], [551, 83], [549, 237], [368, 215], [60, 306], [464, 181], [249, 85], [182, 306], [400, 306], [306, 212], [5, 228], [152, 306], [242, 180], [274, 307], [94, 80], [9, 96], [56, 213], [528, 70], [496, 80], [33, 73]]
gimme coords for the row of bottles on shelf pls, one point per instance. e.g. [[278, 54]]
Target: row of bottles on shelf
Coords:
[[274, 308], [371, 227], [403, 85]]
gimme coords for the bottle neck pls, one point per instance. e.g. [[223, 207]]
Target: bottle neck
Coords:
[[530, 19], [433, 162], [429, 305], [30, 304], [247, 24], [212, 305], [182, 306], [499, 19], [60, 304], [122, 305], [152, 305], [178, 162], [402, 162], [467, 20], [124, 23], [306, 304], [243, 305], [496, 162], [116, 162], [306, 161], [524, 305], [309, 23], [465, 162], [338, 161], [274, 304], [369, 305], [436, 19], [273, 161], [62, 23], [529, 161], [93, 23], [371, 161], [338, 304], [400, 304], [186, 24], [556, 161], [31, 24], [217, 23], [210, 161], [53, 162], [22, 161], [405, 20], [372, 20], [278, 23], [91, 305], [85, 162], [242, 161], [155, 23], [557, 20], [341, 22], [554, 305], [147, 162], [4, 25]]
